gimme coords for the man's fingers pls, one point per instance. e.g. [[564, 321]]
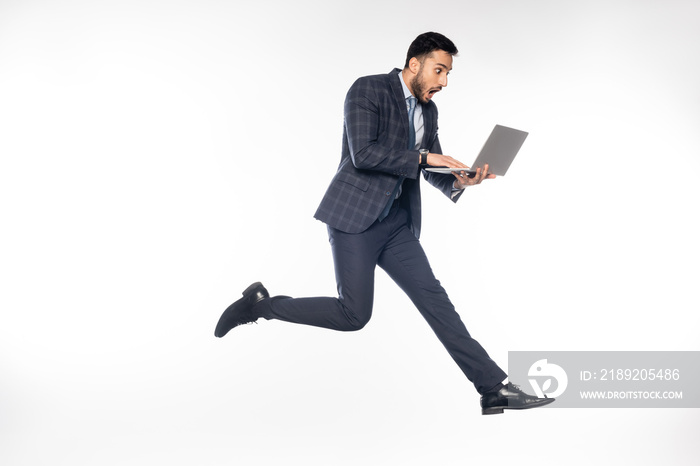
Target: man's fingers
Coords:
[[466, 178], [449, 162], [484, 172]]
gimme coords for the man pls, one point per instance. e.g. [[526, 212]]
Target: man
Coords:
[[372, 210]]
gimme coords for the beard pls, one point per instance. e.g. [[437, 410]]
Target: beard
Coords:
[[418, 86]]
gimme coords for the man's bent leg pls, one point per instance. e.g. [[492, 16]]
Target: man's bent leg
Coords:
[[355, 258], [406, 263]]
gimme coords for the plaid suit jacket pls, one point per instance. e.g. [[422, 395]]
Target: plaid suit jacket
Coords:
[[374, 156]]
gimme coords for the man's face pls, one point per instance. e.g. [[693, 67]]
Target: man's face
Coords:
[[430, 75]]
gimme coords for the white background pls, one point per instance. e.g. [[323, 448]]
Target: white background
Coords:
[[159, 156]]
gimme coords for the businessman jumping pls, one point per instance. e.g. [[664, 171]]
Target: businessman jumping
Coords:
[[372, 210]]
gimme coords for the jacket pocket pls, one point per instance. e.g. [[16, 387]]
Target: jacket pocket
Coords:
[[360, 181]]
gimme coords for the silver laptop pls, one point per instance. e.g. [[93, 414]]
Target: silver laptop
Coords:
[[499, 151]]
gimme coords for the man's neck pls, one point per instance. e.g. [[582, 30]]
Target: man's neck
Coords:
[[406, 80]]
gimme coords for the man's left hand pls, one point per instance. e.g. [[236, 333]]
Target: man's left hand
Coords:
[[463, 179]]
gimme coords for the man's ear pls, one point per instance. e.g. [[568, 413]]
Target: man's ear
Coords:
[[414, 65]]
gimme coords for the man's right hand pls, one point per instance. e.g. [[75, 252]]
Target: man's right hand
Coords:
[[439, 160]]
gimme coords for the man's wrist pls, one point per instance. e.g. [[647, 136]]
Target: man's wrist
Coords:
[[423, 153]]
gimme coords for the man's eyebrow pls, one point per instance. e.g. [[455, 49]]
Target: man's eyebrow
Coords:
[[444, 66]]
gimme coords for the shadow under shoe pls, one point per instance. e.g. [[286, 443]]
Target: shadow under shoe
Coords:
[[241, 312], [510, 397]]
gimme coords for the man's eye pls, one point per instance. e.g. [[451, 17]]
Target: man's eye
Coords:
[[438, 71]]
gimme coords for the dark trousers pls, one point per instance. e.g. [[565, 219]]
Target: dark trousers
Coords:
[[391, 245]]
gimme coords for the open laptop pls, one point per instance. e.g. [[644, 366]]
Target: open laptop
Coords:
[[499, 151]]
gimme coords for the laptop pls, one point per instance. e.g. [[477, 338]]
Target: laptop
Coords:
[[499, 151]]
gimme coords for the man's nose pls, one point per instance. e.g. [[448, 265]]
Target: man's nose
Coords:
[[443, 80]]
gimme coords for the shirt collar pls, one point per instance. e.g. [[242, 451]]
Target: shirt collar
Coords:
[[406, 91]]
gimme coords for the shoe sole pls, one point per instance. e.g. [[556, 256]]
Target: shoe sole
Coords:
[[492, 411], [499, 409]]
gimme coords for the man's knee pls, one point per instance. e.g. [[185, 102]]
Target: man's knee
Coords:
[[356, 320]]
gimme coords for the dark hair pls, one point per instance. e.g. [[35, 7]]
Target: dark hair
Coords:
[[427, 43]]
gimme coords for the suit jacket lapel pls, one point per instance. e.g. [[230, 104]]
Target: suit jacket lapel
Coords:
[[399, 97]]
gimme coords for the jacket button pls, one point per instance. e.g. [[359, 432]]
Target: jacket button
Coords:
[[388, 193]]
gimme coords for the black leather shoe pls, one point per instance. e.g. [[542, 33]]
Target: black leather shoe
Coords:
[[510, 397], [240, 312]]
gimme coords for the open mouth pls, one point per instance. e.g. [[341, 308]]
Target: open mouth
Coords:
[[434, 91]]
